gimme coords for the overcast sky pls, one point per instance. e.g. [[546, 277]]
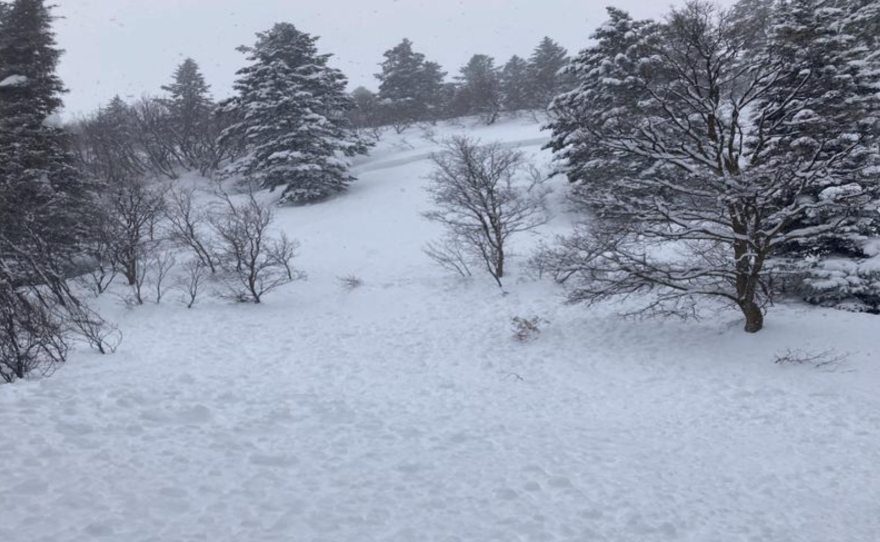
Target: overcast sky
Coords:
[[131, 47]]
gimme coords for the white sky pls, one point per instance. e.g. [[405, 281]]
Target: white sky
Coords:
[[131, 47]]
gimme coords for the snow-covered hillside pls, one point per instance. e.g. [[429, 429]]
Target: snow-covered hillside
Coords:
[[403, 410]]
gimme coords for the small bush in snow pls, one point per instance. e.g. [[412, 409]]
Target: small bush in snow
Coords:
[[252, 260], [192, 281], [350, 282], [527, 329], [820, 360]]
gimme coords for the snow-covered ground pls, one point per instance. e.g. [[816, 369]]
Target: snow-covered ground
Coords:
[[403, 410]]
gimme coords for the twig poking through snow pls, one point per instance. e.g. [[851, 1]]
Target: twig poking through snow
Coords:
[[828, 359]]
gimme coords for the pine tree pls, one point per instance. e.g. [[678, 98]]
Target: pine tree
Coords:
[[191, 111], [546, 80], [432, 91], [109, 137], [44, 202], [833, 120], [410, 88], [38, 183], [601, 71], [366, 111], [479, 89], [290, 112], [515, 84]]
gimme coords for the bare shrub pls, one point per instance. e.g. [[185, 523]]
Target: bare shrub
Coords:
[[155, 137], [481, 204], [102, 266], [253, 261], [526, 329], [827, 359], [162, 264], [449, 253], [192, 281], [429, 132], [188, 227], [98, 334], [32, 338], [143, 268], [350, 282], [133, 206], [39, 313]]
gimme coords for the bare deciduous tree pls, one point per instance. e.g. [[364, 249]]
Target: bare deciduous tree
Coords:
[[163, 263], [188, 227], [31, 335], [133, 206], [192, 281], [39, 313], [482, 202], [253, 261], [154, 136]]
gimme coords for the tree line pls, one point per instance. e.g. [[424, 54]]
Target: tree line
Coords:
[[413, 89]]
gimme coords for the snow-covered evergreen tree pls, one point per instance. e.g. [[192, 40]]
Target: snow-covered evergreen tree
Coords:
[[479, 89], [366, 111], [290, 113], [823, 107], [546, 77], [410, 88], [38, 183], [721, 158], [44, 202], [191, 114], [515, 84], [601, 72]]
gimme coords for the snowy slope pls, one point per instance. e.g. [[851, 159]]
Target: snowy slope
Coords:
[[404, 411]]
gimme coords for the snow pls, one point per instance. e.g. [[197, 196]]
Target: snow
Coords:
[[403, 410], [14, 81], [53, 121]]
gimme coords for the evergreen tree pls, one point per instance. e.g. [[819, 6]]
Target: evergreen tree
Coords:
[[863, 24], [39, 188], [191, 111], [753, 19], [834, 121], [44, 221], [108, 141], [515, 84], [580, 152], [479, 89], [546, 80], [366, 111], [290, 112], [432, 91], [410, 88]]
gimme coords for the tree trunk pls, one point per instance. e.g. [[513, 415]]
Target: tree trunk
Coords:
[[131, 272], [754, 316]]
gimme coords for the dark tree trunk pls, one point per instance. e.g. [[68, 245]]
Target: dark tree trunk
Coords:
[[754, 316]]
